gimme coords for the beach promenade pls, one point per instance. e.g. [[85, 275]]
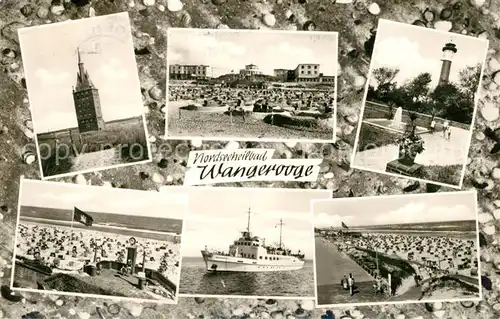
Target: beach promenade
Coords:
[[331, 266]]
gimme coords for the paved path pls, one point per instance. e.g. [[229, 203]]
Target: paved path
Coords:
[[336, 295], [438, 151], [332, 265], [98, 159]]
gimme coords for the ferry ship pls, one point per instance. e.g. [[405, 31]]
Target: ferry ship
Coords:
[[251, 254]]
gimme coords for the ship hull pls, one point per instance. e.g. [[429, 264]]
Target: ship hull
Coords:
[[218, 263]]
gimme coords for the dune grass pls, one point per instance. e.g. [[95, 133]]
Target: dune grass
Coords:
[[128, 138]]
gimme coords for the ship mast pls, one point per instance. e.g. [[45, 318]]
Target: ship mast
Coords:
[[281, 231], [248, 222]]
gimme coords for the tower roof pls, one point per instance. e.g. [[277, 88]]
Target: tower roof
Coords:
[[450, 47], [82, 77]]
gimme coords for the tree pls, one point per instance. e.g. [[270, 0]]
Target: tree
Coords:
[[469, 80], [418, 88], [454, 103], [384, 75]]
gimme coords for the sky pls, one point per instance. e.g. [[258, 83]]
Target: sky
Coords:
[[227, 50], [385, 210], [415, 50], [217, 215], [50, 65], [172, 203]]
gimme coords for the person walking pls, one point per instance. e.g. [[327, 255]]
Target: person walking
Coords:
[[351, 284], [448, 133], [446, 124], [239, 107], [345, 283], [378, 283], [433, 125]]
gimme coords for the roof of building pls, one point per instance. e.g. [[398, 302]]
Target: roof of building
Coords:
[[202, 65], [450, 46], [82, 76]]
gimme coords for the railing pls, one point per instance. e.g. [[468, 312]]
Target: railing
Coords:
[[423, 120]]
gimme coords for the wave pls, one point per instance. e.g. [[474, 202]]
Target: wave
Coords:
[[97, 225]]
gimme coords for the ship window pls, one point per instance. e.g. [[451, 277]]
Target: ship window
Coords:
[[266, 257], [260, 257]]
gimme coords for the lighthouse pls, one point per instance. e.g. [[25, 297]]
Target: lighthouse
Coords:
[[449, 51]]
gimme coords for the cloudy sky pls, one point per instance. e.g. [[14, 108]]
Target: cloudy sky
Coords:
[[227, 50], [170, 204], [415, 50], [383, 210], [217, 215], [50, 64]]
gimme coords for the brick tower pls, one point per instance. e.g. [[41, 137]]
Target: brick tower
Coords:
[[87, 102], [449, 51]]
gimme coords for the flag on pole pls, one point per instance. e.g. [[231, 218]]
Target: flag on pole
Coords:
[[82, 217], [344, 225]]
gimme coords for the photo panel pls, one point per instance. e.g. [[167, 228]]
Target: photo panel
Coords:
[[85, 96], [251, 84], [407, 249], [92, 241], [249, 243], [420, 103]]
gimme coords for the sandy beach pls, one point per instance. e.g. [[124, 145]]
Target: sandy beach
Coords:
[[61, 246], [200, 111], [431, 266]]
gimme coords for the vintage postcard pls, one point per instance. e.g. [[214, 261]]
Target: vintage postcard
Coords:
[[101, 242], [408, 248], [249, 243], [84, 95], [251, 84], [420, 103]]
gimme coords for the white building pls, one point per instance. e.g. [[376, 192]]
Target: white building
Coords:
[[250, 70]]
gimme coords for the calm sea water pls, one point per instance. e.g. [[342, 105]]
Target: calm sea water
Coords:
[[107, 219], [458, 229], [196, 280]]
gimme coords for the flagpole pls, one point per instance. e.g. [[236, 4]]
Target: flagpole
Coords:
[[72, 218], [342, 236]]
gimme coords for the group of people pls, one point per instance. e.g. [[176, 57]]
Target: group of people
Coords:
[[263, 100], [432, 253], [446, 128], [60, 247], [347, 283]]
